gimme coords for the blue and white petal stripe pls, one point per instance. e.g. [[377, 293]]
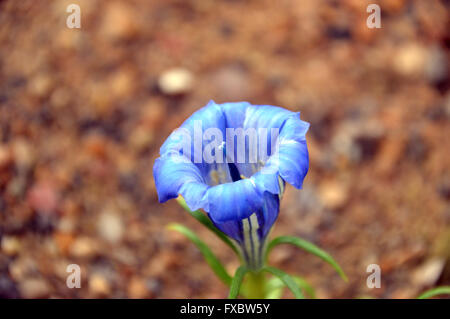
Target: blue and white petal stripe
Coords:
[[241, 189]]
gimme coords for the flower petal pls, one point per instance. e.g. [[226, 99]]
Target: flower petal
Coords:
[[268, 214], [251, 232], [265, 217], [294, 128], [209, 116], [174, 175], [291, 160], [234, 201], [235, 113], [260, 126], [193, 137]]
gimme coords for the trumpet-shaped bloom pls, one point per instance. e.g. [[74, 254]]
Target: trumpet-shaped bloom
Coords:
[[232, 160]]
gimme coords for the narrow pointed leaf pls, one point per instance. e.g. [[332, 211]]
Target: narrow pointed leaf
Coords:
[[305, 286], [203, 219], [287, 280], [211, 259], [309, 247], [275, 285], [444, 290], [237, 282]]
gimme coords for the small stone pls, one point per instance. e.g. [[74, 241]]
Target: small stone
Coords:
[[5, 156], [60, 98], [175, 81], [22, 267], [125, 256], [428, 273], [122, 83], [394, 6], [43, 198], [40, 85], [95, 145], [67, 39], [154, 287], [410, 60], [99, 285], [436, 66], [34, 288], [23, 153], [137, 288], [83, 247], [358, 141], [10, 245], [110, 226], [63, 241], [119, 22], [67, 225], [154, 115], [159, 266], [333, 194], [232, 82], [141, 138], [101, 98]]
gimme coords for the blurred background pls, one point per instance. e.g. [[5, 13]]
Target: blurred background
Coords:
[[83, 113]]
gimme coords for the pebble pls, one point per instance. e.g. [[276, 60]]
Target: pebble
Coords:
[[83, 247], [141, 138], [137, 288], [358, 140], [10, 246], [23, 153], [40, 85], [436, 66], [175, 81], [110, 226], [63, 241], [122, 83], [99, 285], [43, 198], [409, 60], [5, 156], [428, 273], [232, 82], [60, 98], [21, 268], [119, 22], [154, 115], [34, 288], [333, 194]]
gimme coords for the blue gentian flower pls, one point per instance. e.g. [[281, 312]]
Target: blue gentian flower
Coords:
[[239, 189]]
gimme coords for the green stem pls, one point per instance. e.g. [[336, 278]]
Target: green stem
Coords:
[[255, 285]]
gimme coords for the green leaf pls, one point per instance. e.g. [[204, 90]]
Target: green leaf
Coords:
[[275, 293], [309, 247], [203, 219], [305, 286], [211, 259], [287, 280], [236, 282], [274, 288], [275, 285], [444, 290]]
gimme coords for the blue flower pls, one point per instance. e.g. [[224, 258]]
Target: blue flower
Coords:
[[232, 160]]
